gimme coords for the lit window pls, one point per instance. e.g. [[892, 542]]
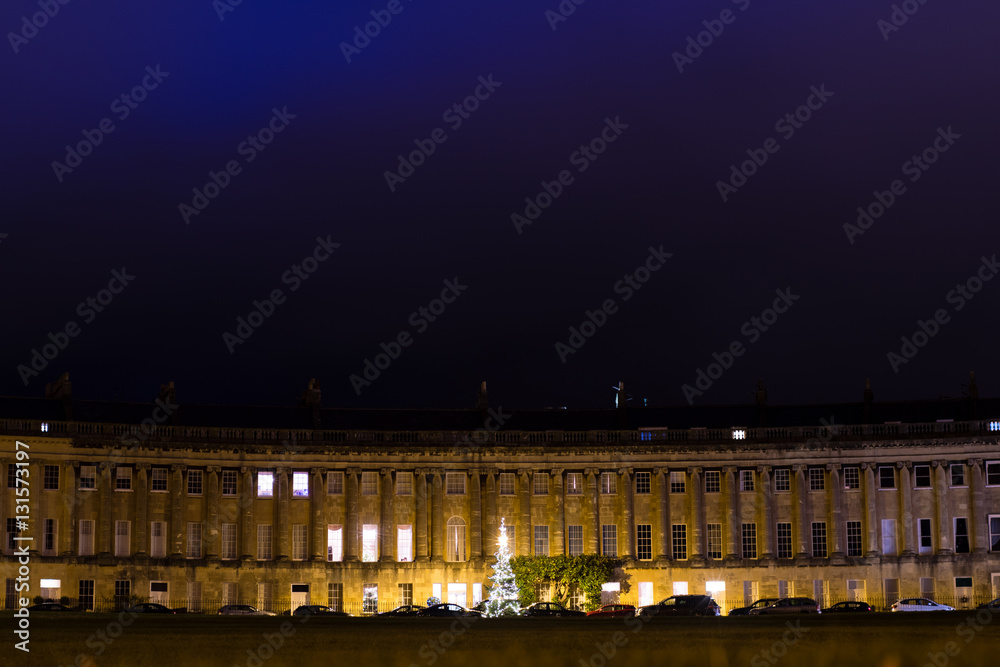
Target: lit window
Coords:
[[45, 427], [334, 543], [300, 484], [265, 486], [995, 426], [369, 543], [456, 539], [739, 434], [574, 484], [608, 483], [404, 543]]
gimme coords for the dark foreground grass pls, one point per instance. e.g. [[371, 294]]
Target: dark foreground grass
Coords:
[[883, 640]]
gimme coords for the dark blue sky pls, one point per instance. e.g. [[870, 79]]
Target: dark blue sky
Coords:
[[344, 124]]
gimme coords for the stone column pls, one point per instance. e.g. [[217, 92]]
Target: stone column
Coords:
[[437, 515], [802, 500], [906, 507], [352, 528], [36, 475], [317, 509], [764, 497], [492, 527], [525, 543], [871, 516], [476, 515], [387, 520], [593, 510], [558, 538], [943, 510], [420, 477], [663, 514], [978, 518], [836, 510], [281, 527], [246, 510], [74, 498], [212, 500], [141, 507], [734, 525], [628, 515], [107, 471], [177, 514], [697, 514]]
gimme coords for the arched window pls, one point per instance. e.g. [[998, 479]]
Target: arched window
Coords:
[[456, 539]]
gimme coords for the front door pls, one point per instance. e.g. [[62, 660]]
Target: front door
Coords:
[[456, 594], [300, 595], [159, 592]]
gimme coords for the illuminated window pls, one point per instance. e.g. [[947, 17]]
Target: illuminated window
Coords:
[[45, 427], [334, 543], [574, 484], [265, 484], [456, 538], [995, 426], [300, 484], [404, 543], [739, 434], [369, 543]]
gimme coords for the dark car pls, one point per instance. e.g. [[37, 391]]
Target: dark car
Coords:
[[848, 607], [150, 608], [317, 610], [992, 605], [50, 606], [447, 610], [788, 606], [744, 611], [405, 610], [550, 609], [243, 610], [683, 605], [613, 611]]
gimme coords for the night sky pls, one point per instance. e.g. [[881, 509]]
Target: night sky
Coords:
[[612, 119]]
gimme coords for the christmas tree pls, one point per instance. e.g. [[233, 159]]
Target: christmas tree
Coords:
[[503, 594]]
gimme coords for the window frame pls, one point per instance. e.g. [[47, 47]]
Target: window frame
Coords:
[[47, 479], [123, 482], [609, 483], [232, 475], [300, 484], [261, 476], [195, 482], [747, 481], [643, 483], [713, 478], [782, 480], [882, 479], [454, 484], [679, 487], [506, 484], [574, 484], [154, 479], [855, 478], [334, 482], [644, 541], [817, 479], [916, 477]]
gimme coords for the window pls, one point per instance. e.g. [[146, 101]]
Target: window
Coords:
[[749, 540], [819, 539], [265, 484], [817, 479], [263, 541], [88, 478], [541, 484], [574, 484], [784, 534], [506, 484], [746, 480], [608, 483], [300, 541], [739, 434], [51, 480], [123, 591], [891, 587], [369, 483], [713, 481], [575, 538], [369, 543], [856, 590], [994, 532], [677, 481], [300, 484], [230, 592], [404, 483], [714, 532], [335, 596], [821, 591], [195, 479], [11, 476], [369, 598], [49, 537], [194, 596], [455, 483], [643, 482], [926, 540], [927, 587], [123, 479], [194, 539], [957, 474], [541, 540], [993, 473], [334, 543], [404, 543], [678, 533], [158, 536], [854, 543], [852, 478], [782, 479], [86, 545], [405, 594], [456, 538], [265, 596], [86, 598], [644, 541], [335, 482], [961, 535], [922, 477], [122, 538], [229, 541], [888, 537], [158, 480], [609, 540], [12, 532], [886, 477]]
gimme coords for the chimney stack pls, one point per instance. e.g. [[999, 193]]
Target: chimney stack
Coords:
[[869, 399], [973, 396], [761, 403]]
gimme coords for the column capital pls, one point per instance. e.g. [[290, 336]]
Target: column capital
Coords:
[[387, 471], [729, 470], [353, 471], [904, 464], [524, 472], [178, 467], [660, 470], [142, 466], [764, 469], [75, 464], [557, 472], [106, 465], [282, 471], [625, 471], [833, 467], [247, 469], [975, 463], [319, 471], [490, 471], [939, 464], [696, 470], [591, 471], [799, 468], [213, 469]]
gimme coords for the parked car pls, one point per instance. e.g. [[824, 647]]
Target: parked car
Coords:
[[788, 606], [613, 611], [847, 607], [150, 608], [682, 605], [447, 610], [550, 609], [405, 610], [317, 610], [743, 611], [993, 605], [919, 604], [243, 610], [50, 606]]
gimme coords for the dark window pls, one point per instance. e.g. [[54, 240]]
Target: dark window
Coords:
[[922, 477], [51, 481], [642, 482], [886, 477], [961, 536], [644, 542]]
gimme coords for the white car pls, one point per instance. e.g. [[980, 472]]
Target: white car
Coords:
[[920, 604], [243, 610]]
